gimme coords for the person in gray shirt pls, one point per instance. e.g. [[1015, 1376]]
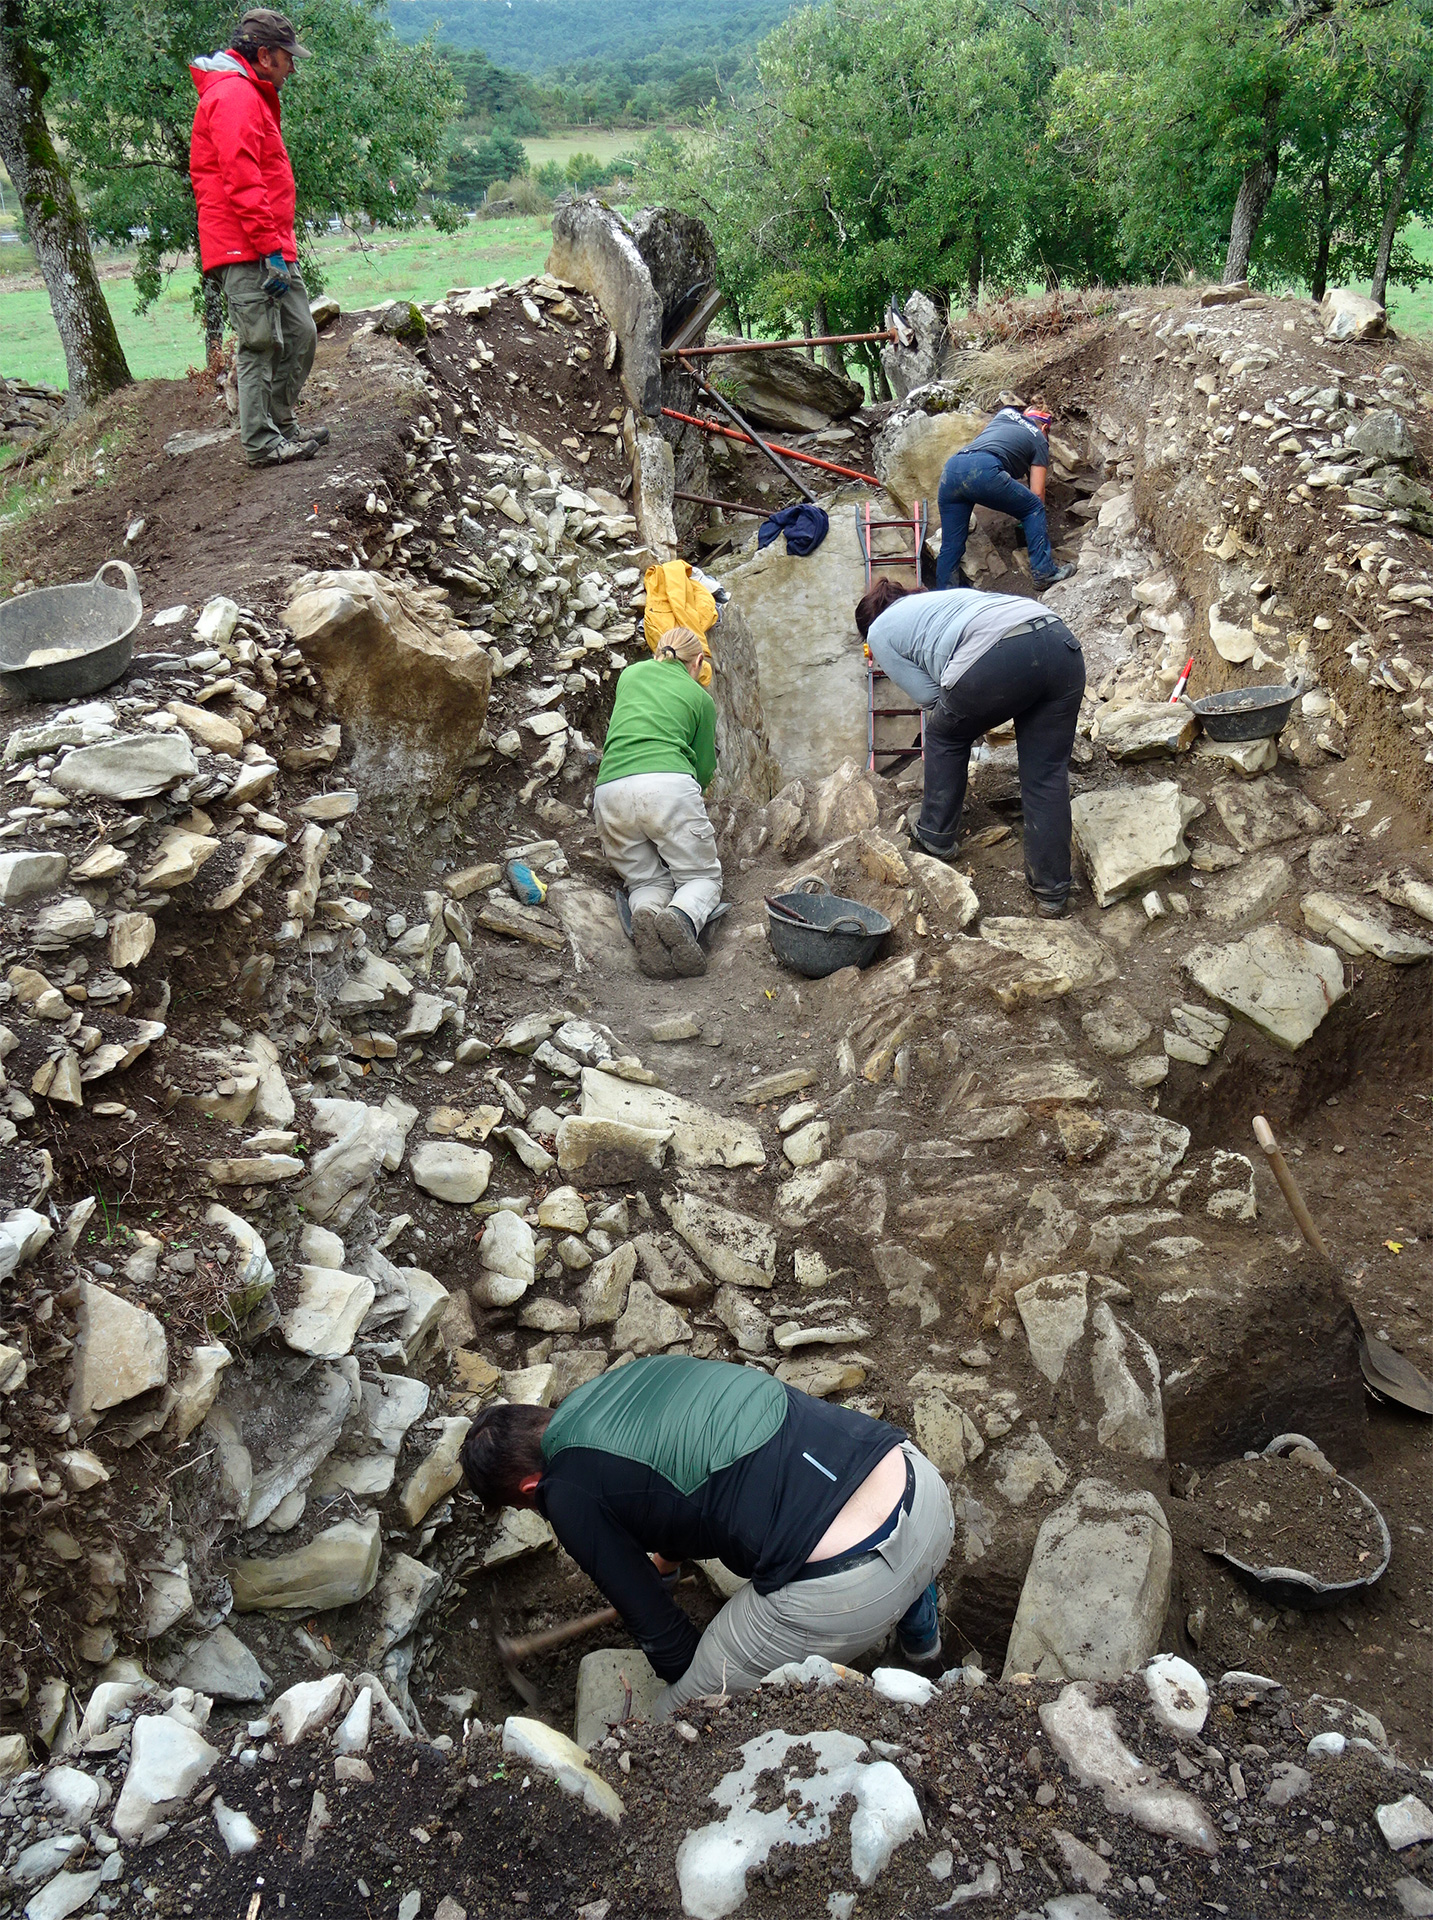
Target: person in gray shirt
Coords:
[[974, 661]]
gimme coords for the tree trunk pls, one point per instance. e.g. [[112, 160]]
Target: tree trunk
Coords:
[[1255, 191], [93, 354], [833, 357], [1318, 284], [880, 385], [976, 263], [1412, 123], [807, 330]]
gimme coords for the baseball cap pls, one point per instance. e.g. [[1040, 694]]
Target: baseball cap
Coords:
[[266, 28]]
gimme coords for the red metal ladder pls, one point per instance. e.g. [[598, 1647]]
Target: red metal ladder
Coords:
[[913, 527]]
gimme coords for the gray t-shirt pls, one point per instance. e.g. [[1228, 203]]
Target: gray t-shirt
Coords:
[[926, 641], [1015, 442]]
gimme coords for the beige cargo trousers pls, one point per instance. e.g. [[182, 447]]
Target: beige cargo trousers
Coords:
[[277, 338]]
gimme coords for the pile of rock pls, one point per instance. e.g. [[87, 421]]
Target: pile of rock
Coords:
[[27, 409]]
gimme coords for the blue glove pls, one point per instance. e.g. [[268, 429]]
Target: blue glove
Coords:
[[276, 280]]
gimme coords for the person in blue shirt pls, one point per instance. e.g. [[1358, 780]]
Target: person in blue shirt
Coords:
[[973, 661], [992, 472]]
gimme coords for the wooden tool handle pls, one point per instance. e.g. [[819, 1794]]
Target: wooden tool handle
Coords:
[[556, 1636], [1264, 1134]]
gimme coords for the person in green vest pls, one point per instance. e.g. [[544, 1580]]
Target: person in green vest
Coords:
[[835, 1521], [659, 756]]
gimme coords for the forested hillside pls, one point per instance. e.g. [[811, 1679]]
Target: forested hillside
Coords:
[[539, 36]]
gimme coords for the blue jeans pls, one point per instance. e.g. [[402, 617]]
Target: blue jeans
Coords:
[[1035, 678], [973, 480], [920, 1622]]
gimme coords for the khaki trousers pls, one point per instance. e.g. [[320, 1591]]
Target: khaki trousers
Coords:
[[277, 338], [656, 833], [841, 1616]]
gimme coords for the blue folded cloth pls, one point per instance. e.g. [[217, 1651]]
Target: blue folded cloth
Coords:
[[805, 528]]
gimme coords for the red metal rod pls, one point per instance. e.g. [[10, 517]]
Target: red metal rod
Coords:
[[808, 459], [771, 346]]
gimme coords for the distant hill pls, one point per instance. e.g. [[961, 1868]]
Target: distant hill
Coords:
[[539, 36]]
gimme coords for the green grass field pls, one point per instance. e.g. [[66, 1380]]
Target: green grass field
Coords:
[[164, 342], [1410, 310]]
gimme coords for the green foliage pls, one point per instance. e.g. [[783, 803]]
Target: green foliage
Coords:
[[365, 120], [582, 173], [494, 99], [471, 170]]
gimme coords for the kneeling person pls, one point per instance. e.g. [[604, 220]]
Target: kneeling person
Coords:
[[659, 755], [836, 1520]]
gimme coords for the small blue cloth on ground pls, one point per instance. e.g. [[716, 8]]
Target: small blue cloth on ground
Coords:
[[805, 527]]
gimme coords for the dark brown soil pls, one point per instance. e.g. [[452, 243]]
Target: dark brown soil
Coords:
[[1286, 1512]]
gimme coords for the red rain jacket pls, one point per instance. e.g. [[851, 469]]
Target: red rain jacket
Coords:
[[239, 166]]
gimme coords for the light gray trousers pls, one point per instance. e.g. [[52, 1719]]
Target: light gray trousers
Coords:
[[277, 339], [656, 833], [840, 1616]]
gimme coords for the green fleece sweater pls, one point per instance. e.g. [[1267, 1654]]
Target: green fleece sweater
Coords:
[[662, 722]]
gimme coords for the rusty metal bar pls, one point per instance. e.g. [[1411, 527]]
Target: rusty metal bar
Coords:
[[806, 459], [772, 346], [729, 506], [715, 399]]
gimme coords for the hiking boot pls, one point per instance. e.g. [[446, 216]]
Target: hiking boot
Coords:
[[679, 936], [926, 1654], [318, 435], [1051, 909], [1043, 580], [287, 453], [652, 955]]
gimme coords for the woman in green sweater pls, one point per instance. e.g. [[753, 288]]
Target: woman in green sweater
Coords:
[[659, 755]]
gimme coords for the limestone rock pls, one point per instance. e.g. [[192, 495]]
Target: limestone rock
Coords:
[[602, 1681], [365, 1140], [336, 1568], [508, 1248], [1280, 983], [1129, 836], [1053, 1311], [1064, 949], [1146, 730], [223, 1667], [438, 1474], [947, 891], [1251, 890], [1087, 1739], [1261, 813], [329, 1309], [549, 1752], [412, 688], [1026, 1466], [166, 1762], [911, 448], [784, 389], [210, 729], [1232, 642], [610, 1152], [28, 876], [1351, 316], [132, 767], [120, 1351], [1125, 1368], [404, 1595], [700, 1138], [199, 1388], [131, 935], [821, 1378], [945, 1434], [1145, 1149], [1116, 1027], [1178, 1696], [648, 1324], [1358, 931], [604, 1291], [307, 1708], [1095, 1597], [450, 1171], [738, 1249], [743, 1319]]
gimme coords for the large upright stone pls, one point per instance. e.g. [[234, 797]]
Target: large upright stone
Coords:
[[595, 249], [912, 446], [700, 1138], [1094, 1600], [1351, 316], [132, 767], [1280, 983], [120, 1351], [166, 1762], [1130, 835], [411, 688]]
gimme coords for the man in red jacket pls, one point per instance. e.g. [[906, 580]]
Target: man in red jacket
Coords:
[[244, 189]]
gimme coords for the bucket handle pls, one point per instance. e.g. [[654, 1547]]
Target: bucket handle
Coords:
[[131, 584], [848, 924], [811, 884]]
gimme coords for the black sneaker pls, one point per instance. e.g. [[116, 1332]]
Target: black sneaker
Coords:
[[679, 937], [1043, 580], [924, 846]]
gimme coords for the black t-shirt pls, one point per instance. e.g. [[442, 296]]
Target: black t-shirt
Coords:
[[761, 1516], [1016, 444]]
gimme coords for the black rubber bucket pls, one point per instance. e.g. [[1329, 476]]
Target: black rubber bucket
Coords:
[[816, 932], [1248, 713]]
